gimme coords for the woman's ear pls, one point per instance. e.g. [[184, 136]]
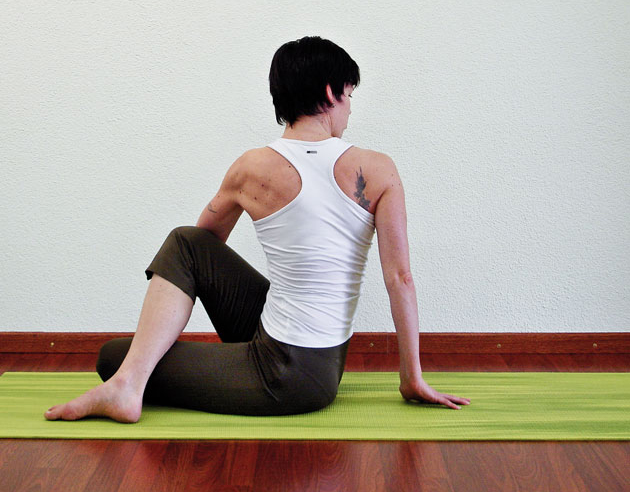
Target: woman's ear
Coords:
[[329, 94]]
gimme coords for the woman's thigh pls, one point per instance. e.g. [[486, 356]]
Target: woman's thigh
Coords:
[[262, 377], [232, 292]]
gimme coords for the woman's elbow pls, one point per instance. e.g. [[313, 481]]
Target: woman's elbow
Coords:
[[399, 280]]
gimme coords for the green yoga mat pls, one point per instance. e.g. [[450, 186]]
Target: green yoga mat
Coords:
[[505, 406]]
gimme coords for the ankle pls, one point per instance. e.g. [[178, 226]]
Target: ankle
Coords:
[[127, 383]]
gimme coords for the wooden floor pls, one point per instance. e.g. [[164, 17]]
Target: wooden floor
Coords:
[[322, 466]]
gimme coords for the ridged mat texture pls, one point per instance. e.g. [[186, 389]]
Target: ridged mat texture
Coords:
[[505, 406]]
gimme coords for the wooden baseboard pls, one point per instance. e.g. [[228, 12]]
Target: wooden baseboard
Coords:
[[381, 343]]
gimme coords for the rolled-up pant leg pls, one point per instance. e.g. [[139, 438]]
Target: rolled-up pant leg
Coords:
[[230, 289], [253, 374]]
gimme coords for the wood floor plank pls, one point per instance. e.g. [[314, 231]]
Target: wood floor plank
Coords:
[[528, 473], [10, 463], [240, 469], [430, 466], [328, 465], [366, 466], [81, 461], [144, 466], [14, 458], [339, 462], [589, 463], [484, 466], [475, 467], [213, 464], [319, 466], [616, 456], [399, 467], [112, 466], [285, 463], [173, 470], [560, 459]]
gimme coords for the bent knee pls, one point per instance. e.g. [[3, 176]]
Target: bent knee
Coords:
[[182, 230], [110, 357], [192, 233]]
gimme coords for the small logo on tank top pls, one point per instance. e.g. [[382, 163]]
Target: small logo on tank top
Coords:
[[311, 152]]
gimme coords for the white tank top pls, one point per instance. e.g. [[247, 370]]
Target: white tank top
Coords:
[[316, 248]]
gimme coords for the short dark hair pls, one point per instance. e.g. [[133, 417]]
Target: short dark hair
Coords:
[[300, 71]]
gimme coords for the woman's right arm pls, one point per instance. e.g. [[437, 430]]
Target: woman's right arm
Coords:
[[224, 210]]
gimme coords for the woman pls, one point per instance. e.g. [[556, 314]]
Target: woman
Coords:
[[315, 201]]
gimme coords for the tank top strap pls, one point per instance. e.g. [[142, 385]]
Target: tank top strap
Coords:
[[302, 153]]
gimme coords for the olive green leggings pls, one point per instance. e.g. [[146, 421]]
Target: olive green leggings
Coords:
[[250, 373]]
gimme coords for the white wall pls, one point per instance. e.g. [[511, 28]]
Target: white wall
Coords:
[[509, 121]]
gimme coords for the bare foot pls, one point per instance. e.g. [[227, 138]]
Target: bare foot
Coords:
[[113, 399]]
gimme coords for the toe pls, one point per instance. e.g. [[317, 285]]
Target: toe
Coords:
[[52, 413]]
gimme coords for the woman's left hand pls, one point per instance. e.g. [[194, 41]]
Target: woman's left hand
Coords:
[[420, 390]]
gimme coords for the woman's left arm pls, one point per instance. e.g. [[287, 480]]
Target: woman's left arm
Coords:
[[391, 228]]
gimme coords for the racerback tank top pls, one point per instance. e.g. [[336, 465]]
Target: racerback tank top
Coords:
[[316, 248]]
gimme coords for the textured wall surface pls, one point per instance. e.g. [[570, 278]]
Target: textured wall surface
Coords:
[[509, 122]]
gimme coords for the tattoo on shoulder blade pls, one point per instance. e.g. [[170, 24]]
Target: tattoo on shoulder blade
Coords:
[[210, 209], [360, 193]]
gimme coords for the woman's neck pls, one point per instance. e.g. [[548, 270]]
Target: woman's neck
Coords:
[[310, 129]]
